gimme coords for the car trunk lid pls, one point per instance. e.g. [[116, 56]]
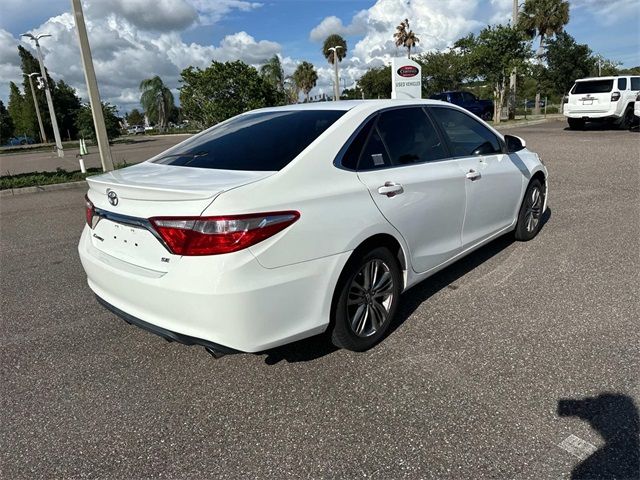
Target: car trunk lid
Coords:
[[125, 199], [591, 96]]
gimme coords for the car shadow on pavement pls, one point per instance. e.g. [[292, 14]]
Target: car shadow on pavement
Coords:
[[615, 417], [320, 345]]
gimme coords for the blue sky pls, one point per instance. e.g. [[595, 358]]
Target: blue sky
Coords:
[[135, 38]]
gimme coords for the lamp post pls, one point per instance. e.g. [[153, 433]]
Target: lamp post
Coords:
[[43, 73], [92, 87], [43, 135], [336, 83]]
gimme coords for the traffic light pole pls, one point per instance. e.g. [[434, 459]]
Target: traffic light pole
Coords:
[[92, 87]]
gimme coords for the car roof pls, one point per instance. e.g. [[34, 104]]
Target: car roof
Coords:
[[346, 105], [608, 77]]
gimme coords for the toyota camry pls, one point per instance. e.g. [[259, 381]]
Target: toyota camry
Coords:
[[282, 223]]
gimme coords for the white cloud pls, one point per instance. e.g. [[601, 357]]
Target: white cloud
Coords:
[[158, 15], [212, 11], [609, 11], [126, 48]]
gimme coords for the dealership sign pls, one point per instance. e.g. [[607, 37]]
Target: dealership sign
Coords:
[[406, 79]]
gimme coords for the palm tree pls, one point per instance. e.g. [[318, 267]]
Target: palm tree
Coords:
[[305, 78], [291, 90], [334, 50], [156, 100], [273, 73], [405, 37], [543, 18]]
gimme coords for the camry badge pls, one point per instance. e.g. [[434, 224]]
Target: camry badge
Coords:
[[113, 197]]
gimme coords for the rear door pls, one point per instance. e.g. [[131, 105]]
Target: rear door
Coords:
[[493, 182], [405, 166]]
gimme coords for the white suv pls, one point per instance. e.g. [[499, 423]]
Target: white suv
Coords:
[[602, 99]]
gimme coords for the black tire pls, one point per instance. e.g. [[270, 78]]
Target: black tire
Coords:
[[348, 302], [487, 115], [627, 118], [576, 123], [530, 215]]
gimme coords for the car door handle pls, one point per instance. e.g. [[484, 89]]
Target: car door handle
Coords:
[[390, 189], [473, 175]]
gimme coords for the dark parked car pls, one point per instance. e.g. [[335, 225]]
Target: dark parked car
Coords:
[[468, 101], [24, 140], [531, 104]]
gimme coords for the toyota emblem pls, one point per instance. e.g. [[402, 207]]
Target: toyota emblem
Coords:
[[113, 197]]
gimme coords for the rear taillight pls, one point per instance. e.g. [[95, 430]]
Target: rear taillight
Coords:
[[638, 98], [615, 96], [88, 211], [216, 235]]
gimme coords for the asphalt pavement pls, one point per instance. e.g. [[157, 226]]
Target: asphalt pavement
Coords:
[[467, 385]]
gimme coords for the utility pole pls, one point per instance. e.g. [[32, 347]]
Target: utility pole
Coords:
[[43, 73], [43, 135], [512, 79], [92, 87], [336, 83]]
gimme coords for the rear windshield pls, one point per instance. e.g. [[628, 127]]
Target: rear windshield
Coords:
[[265, 141], [593, 86]]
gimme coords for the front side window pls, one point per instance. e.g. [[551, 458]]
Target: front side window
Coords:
[[592, 86], [264, 141], [410, 136], [466, 136], [468, 97], [622, 84]]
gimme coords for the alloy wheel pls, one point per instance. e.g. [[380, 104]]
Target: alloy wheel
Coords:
[[534, 209], [370, 298]]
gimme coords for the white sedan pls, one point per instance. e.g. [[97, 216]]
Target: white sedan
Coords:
[[286, 222]]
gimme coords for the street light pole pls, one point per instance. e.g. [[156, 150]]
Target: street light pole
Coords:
[[336, 83], [43, 73], [43, 135], [92, 87]]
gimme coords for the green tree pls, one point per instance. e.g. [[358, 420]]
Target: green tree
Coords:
[[404, 37], [334, 49], [223, 90], [566, 61], [19, 112], [6, 124], [67, 104], [543, 18], [376, 83], [291, 90], [444, 71], [84, 121], [305, 78], [135, 117], [273, 73], [495, 53], [157, 100]]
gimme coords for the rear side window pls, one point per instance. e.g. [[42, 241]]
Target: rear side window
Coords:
[[265, 141], [635, 83], [622, 84], [592, 86], [374, 154], [410, 136], [352, 155], [466, 135]]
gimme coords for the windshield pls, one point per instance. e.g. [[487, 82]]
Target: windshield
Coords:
[[593, 86], [265, 141]]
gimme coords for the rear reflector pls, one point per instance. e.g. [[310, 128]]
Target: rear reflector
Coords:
[[217, 235]]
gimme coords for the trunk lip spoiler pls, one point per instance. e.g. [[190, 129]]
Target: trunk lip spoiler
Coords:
[[99, 214]]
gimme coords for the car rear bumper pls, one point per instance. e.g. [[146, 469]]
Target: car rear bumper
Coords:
[[611, 113], [219, 301]]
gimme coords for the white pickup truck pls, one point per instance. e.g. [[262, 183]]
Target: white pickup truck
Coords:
[[600, 99]]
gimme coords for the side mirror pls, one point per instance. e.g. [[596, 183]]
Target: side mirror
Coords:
[[514, 144]]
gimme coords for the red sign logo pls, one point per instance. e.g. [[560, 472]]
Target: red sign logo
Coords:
[[408, 71]]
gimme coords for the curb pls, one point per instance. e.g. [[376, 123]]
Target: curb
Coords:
[[42, 188], [528, 122]]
